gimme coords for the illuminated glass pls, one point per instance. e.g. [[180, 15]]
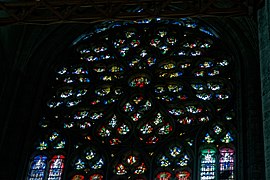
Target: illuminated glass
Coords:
[[226, 163], [56, 167], [208, 165], [37, 169], [136, 98]]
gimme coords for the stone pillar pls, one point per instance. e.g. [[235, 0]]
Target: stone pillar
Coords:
[[264, 43]]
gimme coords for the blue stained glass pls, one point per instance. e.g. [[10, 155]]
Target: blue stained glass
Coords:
[[204, 30], [38, 166]]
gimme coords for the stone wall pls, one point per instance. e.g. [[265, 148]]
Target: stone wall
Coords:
[[264, 41]]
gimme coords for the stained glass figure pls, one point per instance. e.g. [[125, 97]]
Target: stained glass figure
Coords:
[[37, 169], [208, 167], [226, 163], [56, 167]]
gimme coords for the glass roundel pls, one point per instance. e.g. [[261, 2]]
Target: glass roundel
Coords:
[[134, 86]]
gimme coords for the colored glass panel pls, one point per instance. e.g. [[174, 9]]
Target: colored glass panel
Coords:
[[208, 166], [226, 163], [78, 177], [37, 168], [56, 167]]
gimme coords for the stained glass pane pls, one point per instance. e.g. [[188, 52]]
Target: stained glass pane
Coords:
[[56, 167], [78, 177], [38, 168], [208, 166], [226, 163]]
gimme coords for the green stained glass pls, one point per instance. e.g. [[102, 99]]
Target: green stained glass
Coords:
[[103, 91], [103, 132], [174, 88], [208, 139], [81, 92], [158, 119], [162, 33], [81, 114], [227, 138], [79, 70], [146, 129], [96, 115], [42, 146], [73, 103], [139, 82], [208, 164], [160, 89], [60, 145], [166, 129], [193, 109], [123, 129], [199, 74], [128, 107], [154, 42], [164, 175]]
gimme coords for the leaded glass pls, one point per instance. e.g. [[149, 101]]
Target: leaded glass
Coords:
[[56, 167], [208, 165], [226, 163], [37, 168], [142, 100]]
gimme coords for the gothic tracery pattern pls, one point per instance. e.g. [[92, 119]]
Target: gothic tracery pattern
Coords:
[[159, 91]]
